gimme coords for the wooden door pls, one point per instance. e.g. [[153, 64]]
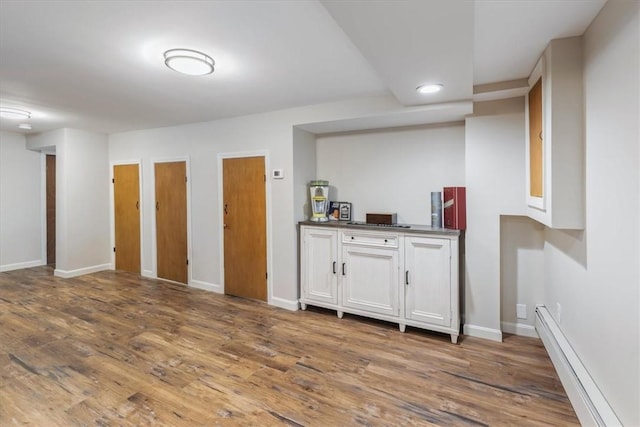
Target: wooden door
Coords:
[[171, 221], [245, 227], [51, 209], [428, 280], [126, 195], [536, 151]]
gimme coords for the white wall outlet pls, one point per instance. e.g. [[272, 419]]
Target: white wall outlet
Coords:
[[521, 311], [558, 312], [278, 174]]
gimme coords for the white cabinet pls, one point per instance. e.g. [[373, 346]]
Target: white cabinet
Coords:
[[370, 273], [555, 137], [319, 272], [428, 289], [410, 278]]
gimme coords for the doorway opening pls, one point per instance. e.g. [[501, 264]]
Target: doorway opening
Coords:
[[51, 208]]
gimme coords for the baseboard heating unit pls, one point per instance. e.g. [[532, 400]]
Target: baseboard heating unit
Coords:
[[590, 405]]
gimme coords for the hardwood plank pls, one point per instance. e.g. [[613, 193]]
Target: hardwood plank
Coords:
[[112, 348]]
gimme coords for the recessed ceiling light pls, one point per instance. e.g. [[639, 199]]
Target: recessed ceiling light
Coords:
[[430, 88], [190, 62], [14, 113], [25, 126]]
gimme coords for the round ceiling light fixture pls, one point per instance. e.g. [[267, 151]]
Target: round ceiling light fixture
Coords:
[[188, 61], [25, 126], [14, 113], [430, 88]]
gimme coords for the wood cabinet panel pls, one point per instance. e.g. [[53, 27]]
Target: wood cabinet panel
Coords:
[[536, 157], [370, 279], [555, 151], [320, 270], [428, 280]]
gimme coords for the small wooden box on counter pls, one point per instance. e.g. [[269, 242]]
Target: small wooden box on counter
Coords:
[[382, 218]]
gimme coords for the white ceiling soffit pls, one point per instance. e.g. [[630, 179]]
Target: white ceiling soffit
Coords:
[[410, 43], [98, 65], [409, 116], [510, 35]]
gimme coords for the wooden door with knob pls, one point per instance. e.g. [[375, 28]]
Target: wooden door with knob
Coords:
[[126, 201], [245, 227], [171, 221]]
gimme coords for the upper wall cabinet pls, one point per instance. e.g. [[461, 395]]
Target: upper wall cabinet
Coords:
[[555, 137]]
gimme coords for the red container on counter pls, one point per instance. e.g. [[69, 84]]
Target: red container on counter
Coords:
[[455, 207]]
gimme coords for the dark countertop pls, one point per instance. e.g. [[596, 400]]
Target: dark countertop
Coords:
[[414, 228]]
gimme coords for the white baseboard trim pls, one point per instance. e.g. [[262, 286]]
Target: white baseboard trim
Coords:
[[148, 274], [211, 287], [66, 274], [590, 405], [21, 265], [482, 332], [285, 303], [519, 329]]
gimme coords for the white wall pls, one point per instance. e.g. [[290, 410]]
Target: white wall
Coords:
[[594, 274], [392, 170], [20, 204], [82, 203], [304, 159], [201, 143], [82, 198], [46, 141], [521, 272], [495, 186]]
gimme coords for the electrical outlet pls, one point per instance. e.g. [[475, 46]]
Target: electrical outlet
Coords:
[[558, 312], [521, 311]]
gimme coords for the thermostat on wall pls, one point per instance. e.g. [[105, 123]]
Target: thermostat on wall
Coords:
[[278, 174]]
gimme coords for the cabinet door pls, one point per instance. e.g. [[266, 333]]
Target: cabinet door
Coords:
[[370, 279], [428, 280], [320, 265]]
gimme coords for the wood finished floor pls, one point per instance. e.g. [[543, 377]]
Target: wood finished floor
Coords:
[[112, 348]]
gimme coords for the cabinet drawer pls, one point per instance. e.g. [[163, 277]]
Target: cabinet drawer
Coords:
[[387, 240]]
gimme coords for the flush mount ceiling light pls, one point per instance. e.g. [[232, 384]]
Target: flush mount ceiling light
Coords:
[[14, 113], [430, 88], [190, 62], [25, 126]]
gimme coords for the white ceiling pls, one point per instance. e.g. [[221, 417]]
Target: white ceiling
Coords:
[[98, 65]]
